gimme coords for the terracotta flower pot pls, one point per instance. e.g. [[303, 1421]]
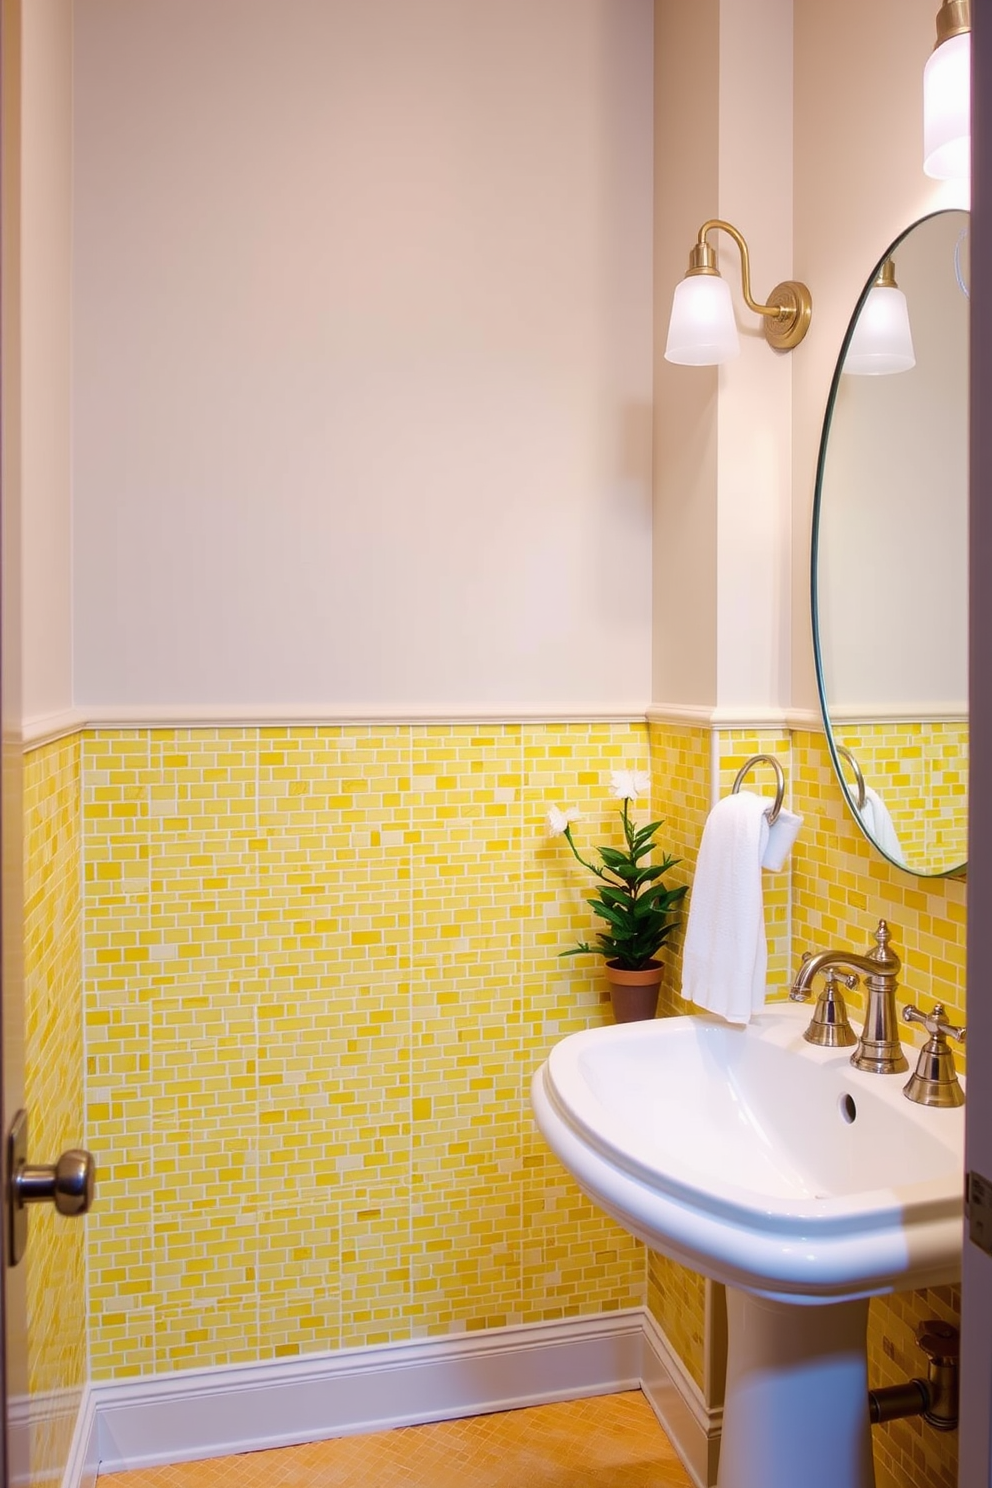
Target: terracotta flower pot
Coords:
[[634, 993]]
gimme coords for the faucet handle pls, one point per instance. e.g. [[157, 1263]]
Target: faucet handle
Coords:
[[935, 1081], [934, 1022]]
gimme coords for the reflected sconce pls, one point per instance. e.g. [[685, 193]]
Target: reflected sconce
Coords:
[[947, 96], [702, 331], [882, 341]]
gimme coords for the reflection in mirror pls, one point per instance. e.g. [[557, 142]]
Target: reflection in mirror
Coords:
[[890, 565]]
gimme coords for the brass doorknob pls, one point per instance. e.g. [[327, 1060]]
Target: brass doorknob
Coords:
[[68, 1185]]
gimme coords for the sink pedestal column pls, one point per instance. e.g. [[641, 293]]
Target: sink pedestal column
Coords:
[[796, 1407]]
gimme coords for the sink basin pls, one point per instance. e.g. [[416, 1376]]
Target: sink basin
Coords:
[[802, 1184], [756, 1158]]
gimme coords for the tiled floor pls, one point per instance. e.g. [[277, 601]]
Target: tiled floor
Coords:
[[613, 1441]]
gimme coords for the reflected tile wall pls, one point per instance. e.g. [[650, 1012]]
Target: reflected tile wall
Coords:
[[921, 773]]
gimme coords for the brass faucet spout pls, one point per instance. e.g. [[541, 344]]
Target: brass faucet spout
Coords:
[[879, 1050], [813, 965]]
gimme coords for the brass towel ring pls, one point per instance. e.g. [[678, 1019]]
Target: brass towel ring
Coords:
[[766, 759]]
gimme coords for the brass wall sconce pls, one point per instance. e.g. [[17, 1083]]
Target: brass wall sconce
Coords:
[[947, 96], [702, 331]]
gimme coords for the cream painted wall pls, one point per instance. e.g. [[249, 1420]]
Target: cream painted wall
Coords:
[[362, 356], [858, 182], [686, 185], [755, 411], [45, 310], [722, 436], [493, 546], [802, 124]]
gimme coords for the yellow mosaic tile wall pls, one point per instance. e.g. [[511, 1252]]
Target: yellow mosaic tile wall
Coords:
[[841, 887], [682, 765], [736, 748], [677, 1299], [834, 893], [55, 1258], [682, 761], [321, 966], [680, 794], [921, 772]]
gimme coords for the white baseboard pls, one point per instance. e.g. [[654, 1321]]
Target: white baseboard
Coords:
[[692, 1427], [36, 1424], [218, 1412], [84, 1459]]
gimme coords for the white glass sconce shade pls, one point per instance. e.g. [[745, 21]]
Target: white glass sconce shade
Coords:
[[947, 110], [883, 341], [702, 331]]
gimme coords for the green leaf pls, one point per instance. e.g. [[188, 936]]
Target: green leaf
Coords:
[[609, 913], [613, 894], [662, 897], [625, 871]]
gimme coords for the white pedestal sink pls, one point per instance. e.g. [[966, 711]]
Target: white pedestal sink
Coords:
[[803, 1185]]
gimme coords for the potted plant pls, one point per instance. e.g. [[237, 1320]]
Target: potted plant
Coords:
[[632, 899]]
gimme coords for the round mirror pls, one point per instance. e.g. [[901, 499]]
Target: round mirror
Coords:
[[890, 552]]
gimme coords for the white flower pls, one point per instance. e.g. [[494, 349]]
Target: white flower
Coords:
[[627, 785], [558, 820]]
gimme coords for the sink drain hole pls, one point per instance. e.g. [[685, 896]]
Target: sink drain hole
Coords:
[[848, 1109]]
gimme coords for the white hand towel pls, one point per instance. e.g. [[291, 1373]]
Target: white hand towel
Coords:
[[879, 826], [781, 835], [725, 956]]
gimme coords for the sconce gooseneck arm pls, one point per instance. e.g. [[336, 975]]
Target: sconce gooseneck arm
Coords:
[[727, 227], [790, 304]]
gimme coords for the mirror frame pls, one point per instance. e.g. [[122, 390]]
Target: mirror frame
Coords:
[[959, 870]]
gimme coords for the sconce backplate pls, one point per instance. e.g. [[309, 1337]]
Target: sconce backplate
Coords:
[[795, 306]]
